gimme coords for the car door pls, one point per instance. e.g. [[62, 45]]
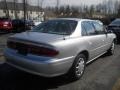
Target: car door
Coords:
[[101, 34], [95, 41]]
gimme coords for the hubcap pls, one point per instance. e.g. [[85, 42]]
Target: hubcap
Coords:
[[80, 66]]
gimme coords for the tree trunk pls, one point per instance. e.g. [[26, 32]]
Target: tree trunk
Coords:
[[6, 9]]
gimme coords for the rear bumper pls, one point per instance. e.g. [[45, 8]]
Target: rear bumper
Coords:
[[5, 29], [43, 66]]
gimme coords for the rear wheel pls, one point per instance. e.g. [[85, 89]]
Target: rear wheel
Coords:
[[112, 48], [78, 67]]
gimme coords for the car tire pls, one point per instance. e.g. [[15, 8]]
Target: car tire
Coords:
[[112, 48], [78, 67]]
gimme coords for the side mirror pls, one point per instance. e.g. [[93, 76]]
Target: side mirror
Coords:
[[107, 30]]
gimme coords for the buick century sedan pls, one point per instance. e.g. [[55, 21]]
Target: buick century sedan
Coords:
[[59, 46]]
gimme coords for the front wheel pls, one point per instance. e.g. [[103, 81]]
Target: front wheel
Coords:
[[78, 67]]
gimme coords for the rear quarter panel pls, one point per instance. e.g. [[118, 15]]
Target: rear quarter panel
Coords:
[[110, 37], [71, 47]]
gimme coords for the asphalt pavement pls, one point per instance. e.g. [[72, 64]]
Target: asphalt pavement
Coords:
[[102, 74]]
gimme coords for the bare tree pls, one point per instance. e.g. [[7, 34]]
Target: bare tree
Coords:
[[40, 7], [57, 3], [118, 13], [57, 7], [15, 8], [27, 5], [6, 9], [41, 3], [25, 9], [91, 10], [116, 4]]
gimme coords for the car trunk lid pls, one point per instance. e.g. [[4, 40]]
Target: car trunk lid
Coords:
[[37, 37]]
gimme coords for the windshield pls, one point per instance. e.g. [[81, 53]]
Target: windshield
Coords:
[[62, 27], [116, 22]]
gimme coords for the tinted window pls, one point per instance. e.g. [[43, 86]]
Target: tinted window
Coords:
[[84, 33], [116, 22], [17, 22], [99, 28], [56, 27], [89, 28]]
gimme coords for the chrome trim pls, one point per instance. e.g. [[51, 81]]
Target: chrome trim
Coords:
[[95, 58], [62, 59], [100, 47]]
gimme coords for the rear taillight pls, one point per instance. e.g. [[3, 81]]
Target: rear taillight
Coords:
[[7, 24], [35, 50], [42, 51]]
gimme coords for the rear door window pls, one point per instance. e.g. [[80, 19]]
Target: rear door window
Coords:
[[84, 33], [88, 28], [99, 28]]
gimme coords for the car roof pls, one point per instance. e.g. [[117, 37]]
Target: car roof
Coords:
[[117, 19], [75, 19]]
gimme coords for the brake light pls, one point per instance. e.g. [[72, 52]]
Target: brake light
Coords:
[[42, 51], [35, 50], [7, 24]]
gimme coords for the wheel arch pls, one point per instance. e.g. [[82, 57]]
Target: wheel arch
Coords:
[[86, 53]]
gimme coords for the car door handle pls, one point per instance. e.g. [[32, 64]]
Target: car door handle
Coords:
[[103, 40]]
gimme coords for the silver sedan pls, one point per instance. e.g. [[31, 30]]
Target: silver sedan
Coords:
[[59, 46]]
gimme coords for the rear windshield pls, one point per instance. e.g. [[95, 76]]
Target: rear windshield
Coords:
[[116, 22], [62, 27]]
